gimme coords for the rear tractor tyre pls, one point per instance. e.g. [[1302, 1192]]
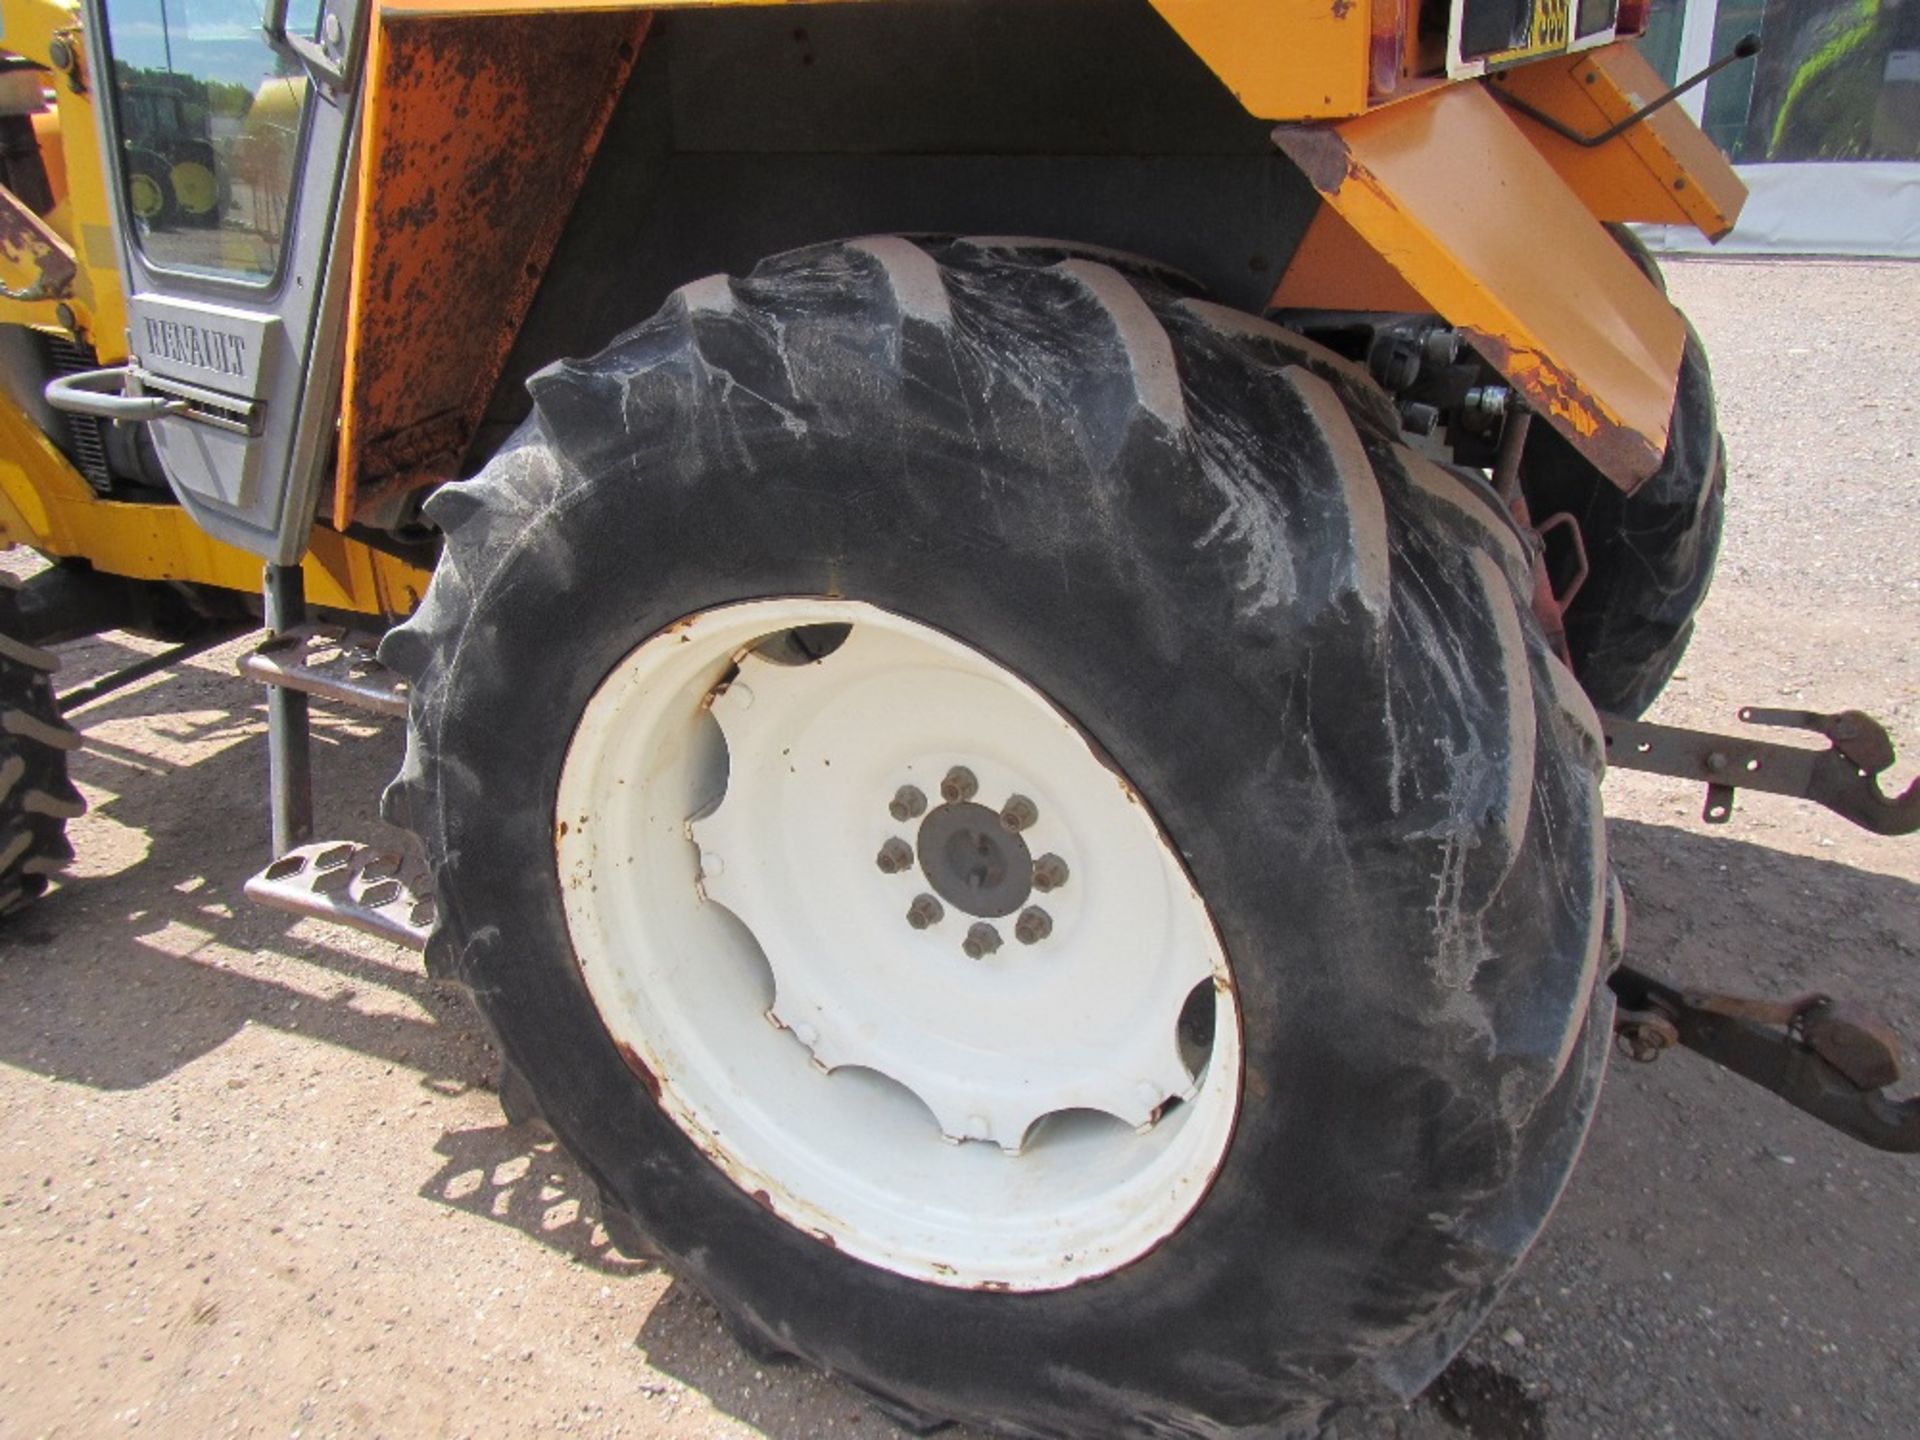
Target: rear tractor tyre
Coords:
[[1031, 850], [1651, 553], [36, 797]]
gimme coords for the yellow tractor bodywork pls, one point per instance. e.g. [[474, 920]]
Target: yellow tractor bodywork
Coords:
[[1523, 266], [46, 31], [45, 503], [47, 506], [1598, 358]]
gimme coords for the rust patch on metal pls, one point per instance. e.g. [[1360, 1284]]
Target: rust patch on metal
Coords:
[[1323, 157], [639, 1068], [417, 445], [34, 262], [480, 130], [1619, 452]]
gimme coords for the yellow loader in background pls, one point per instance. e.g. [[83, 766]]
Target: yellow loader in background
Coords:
[[1009, 614]]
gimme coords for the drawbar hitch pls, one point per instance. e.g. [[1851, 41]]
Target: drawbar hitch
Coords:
[[1820, 1055], [1829, 1058]]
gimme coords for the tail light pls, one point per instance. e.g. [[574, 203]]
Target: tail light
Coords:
[[1387, 48], [1632, 17]]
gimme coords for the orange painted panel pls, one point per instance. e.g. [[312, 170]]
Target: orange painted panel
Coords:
[[1285, 60], [1467, 212], [1662, 171], [1334, 269]]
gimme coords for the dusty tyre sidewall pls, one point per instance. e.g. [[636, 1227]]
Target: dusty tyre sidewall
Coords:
[[1390, 1165], [1651, 553]]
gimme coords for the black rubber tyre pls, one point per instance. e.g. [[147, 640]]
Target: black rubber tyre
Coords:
[[1309, 650], [36, 797], [1652, 552]]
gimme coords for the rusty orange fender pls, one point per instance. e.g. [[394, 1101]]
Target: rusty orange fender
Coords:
[[1284, 60], [479, 131], [481, 118]]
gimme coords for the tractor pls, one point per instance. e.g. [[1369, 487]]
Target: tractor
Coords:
[[1009, 615]]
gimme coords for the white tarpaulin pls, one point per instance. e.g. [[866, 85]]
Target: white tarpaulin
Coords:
[[1860, 207]]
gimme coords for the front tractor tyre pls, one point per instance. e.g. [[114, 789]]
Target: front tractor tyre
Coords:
[[36, 797], [1034, 853]]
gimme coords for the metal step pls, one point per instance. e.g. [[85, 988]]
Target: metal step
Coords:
[[331, 662], [381, 892]]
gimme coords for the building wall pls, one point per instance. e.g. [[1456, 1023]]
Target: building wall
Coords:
[[1824, 123]]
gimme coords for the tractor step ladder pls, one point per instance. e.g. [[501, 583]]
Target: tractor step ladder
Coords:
[[385, 893], [331, 663], [388, 893]]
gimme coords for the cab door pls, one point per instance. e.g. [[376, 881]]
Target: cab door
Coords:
[[231, 133]]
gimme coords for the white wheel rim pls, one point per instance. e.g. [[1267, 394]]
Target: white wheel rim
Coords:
[[970, 1116]]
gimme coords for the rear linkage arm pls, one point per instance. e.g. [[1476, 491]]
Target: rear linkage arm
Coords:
[[1820, 1055], [1844, 777], [1823, 1056]]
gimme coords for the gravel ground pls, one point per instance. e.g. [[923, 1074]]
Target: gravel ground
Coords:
[[253, 1180]]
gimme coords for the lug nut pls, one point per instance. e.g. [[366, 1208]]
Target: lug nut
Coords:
[[1033, 926], [1018, 813], [925, 911], [1049, 872], [982, 940], [959, 785], [896, 855], [908, 803]]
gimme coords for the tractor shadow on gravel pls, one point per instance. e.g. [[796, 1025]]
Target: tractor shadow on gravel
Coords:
[[118, 980], [1485, 1403], [115, 980], [518, 1175]]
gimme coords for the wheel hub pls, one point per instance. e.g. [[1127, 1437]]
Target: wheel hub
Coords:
[[973, 862], [1009, 964]]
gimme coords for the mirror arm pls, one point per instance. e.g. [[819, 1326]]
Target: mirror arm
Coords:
[[329, 61]]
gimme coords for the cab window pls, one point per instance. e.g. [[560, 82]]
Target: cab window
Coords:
[[210, 119]]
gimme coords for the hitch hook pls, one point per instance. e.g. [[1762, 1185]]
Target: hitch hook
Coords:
[[1844, 777]]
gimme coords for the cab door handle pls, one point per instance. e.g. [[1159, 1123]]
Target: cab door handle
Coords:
[[101, 393]]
